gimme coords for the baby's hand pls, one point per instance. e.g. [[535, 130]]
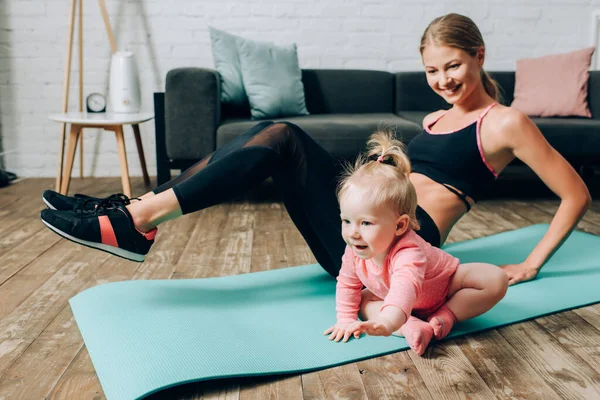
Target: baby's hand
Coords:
[[342, 332], [372, 328]]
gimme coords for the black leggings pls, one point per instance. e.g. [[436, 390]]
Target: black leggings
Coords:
[[304, 172]]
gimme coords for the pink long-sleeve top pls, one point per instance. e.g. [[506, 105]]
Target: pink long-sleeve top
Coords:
[[409, 265]]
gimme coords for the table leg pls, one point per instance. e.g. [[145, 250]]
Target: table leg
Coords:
[[61, 158], [123, 160], [140, 148], [81, 158], [70, 156]]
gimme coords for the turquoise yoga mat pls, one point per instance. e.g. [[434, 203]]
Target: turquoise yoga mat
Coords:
[[144, 336]]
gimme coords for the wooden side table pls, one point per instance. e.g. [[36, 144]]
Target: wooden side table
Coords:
[[107, 121]]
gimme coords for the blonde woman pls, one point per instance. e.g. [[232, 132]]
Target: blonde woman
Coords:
[[457, 155]]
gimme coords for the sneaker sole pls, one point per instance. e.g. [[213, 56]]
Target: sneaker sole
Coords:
[[50, 206], [128, 255]]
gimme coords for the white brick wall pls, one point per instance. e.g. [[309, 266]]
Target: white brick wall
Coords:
[[374, 34]]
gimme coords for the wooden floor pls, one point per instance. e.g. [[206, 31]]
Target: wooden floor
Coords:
[[42, 354]]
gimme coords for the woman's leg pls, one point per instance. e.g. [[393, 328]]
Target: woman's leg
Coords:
[[474, 289], [304, 172], [161, 204]]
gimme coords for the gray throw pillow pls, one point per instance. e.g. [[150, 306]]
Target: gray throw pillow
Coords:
[[272, 79], [227, 64]]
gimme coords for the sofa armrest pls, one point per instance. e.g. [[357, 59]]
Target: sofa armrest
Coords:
[[192, 112], [163, 173]]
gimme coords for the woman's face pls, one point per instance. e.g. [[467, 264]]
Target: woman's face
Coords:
[[452, 73]]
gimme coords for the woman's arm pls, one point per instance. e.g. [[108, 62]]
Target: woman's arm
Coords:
[[528, 144]]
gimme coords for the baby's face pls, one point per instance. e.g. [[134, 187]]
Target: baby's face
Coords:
[[367, 228]]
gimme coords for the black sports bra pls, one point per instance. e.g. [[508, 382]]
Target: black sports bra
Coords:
[[454, 159]]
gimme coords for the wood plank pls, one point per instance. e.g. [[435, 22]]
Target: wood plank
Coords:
[[575, 334], [394, 376], [342, 382], [591, 314], [79, 382], [448, 373], [40, 367], [25, 323], [507, 213], [269, 250], [502, 368], [475, 227], [22, 254], [495, 222], [21, 286], [201, 250], [529, 212], [566, 373], [289, 387]]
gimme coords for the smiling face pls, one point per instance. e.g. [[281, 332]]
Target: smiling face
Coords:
[[453, 73], [369, 229]]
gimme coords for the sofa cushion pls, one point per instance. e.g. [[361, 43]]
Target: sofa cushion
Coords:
[[227, 62], [342, 135], [571, 137], [555, 85], [272, 79]]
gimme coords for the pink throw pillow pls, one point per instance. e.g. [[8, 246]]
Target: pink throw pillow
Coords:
[[554, 85]]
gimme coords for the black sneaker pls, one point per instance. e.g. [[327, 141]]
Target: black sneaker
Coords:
[[57, 201], [108, 227]]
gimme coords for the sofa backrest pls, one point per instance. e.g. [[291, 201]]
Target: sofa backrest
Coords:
[[594, 94], [414, 94], [340, 91], [345, 91]]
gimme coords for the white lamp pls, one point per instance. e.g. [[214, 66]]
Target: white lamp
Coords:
[[124, 86]]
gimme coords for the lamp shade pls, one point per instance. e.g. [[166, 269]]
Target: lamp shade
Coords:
[[124, 86]]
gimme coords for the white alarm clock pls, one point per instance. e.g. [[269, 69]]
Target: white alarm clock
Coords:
[[95, 103]]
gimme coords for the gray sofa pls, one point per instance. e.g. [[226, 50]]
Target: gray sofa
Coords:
[[345, 107]]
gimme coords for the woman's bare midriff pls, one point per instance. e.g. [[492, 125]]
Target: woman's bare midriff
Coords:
[[443, 206]]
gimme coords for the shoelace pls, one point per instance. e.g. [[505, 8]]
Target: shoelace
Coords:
[[112, 201]]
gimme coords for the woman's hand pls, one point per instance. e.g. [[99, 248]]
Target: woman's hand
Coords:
[[342, 332], [519, 272]]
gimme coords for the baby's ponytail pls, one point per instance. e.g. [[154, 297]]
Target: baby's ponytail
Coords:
[[383, 147], [386, 169]]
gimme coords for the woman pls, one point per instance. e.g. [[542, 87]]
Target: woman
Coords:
[[459, 153]]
